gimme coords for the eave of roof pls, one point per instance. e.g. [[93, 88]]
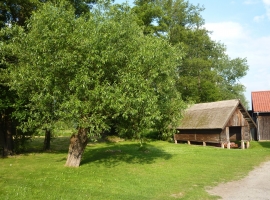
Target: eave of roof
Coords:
[[246, 115]]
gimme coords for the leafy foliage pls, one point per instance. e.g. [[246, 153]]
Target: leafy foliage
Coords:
[[19, 11], [111, 67], [207, 73], [95, 70]]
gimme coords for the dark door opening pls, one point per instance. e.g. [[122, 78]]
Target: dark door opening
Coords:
[[235, 133]]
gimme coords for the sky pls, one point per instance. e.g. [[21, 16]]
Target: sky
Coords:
[[243, 26]]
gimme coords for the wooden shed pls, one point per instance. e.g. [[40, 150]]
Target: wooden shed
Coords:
[[261, 113], [219, 122]]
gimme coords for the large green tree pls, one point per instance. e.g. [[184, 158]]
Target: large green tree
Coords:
[[11, 12], [18, 12], [94, 70], [201, 77], [8, 100]]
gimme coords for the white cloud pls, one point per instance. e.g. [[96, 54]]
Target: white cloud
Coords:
[[259, 18], [266, 2], [226, 31]]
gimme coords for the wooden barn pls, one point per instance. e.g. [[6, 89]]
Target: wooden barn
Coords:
[[222, 122], [261, 113]]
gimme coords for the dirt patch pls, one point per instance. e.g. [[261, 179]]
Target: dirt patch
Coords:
[[254, 186], [179, 195]]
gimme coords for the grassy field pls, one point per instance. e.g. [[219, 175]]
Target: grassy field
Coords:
[[160, 170]]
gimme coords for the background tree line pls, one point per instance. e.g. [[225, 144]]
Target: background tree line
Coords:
[[106, 67]]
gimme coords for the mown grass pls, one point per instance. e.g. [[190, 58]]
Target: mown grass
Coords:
[[122, 170]]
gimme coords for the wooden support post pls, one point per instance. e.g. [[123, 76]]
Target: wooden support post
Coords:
[[228, 137], [227, 134], [222, 145], [175, 141], [243, 137], [242, 144], [204, 144], [188, 142], [228, 145], [248, 144]]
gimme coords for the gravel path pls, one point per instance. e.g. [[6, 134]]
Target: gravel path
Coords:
[[255, 186]]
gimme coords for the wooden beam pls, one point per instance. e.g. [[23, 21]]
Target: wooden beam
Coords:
[[243, 133], [228, 145], [222, 145], [242, 144], [228, 137], [248, 144]]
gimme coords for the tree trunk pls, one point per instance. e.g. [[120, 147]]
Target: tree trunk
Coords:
[[6, 138], [77, 145], [2, 138], [47, 140]]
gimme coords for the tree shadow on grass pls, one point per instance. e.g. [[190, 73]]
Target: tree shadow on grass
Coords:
[[59, 145], [113, 155], [265, 144]]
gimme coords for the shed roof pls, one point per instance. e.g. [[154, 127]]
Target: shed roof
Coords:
[[214, 115], [260, 101]]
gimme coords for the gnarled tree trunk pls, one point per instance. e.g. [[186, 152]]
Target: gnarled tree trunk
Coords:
[[77, 145]]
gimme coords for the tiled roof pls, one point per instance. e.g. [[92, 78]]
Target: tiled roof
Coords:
[[261, 101]]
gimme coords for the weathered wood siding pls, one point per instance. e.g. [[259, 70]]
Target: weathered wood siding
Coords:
[[263, 124], [208, 135], [246, 132], [223, 136], [237, 119], [238, 127]]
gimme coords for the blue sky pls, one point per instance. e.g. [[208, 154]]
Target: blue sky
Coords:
[[244, 27]]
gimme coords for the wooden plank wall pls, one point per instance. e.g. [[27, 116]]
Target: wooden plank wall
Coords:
[[247, 132], [264, 127], [211, 135], [237, 119], [223, 136]]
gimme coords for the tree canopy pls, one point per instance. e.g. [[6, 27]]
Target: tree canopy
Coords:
[[94, 70], [19, 11], [206, 73], [111, 67]]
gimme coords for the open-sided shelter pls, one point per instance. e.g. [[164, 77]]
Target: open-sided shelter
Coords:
[[219, 122], [261, 113]]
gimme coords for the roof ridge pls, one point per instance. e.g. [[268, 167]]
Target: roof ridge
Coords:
[[261, 91]]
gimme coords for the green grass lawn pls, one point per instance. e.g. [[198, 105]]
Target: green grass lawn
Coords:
[[121, 170]]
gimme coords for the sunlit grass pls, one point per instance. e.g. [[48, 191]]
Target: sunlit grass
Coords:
[[122, 170]]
